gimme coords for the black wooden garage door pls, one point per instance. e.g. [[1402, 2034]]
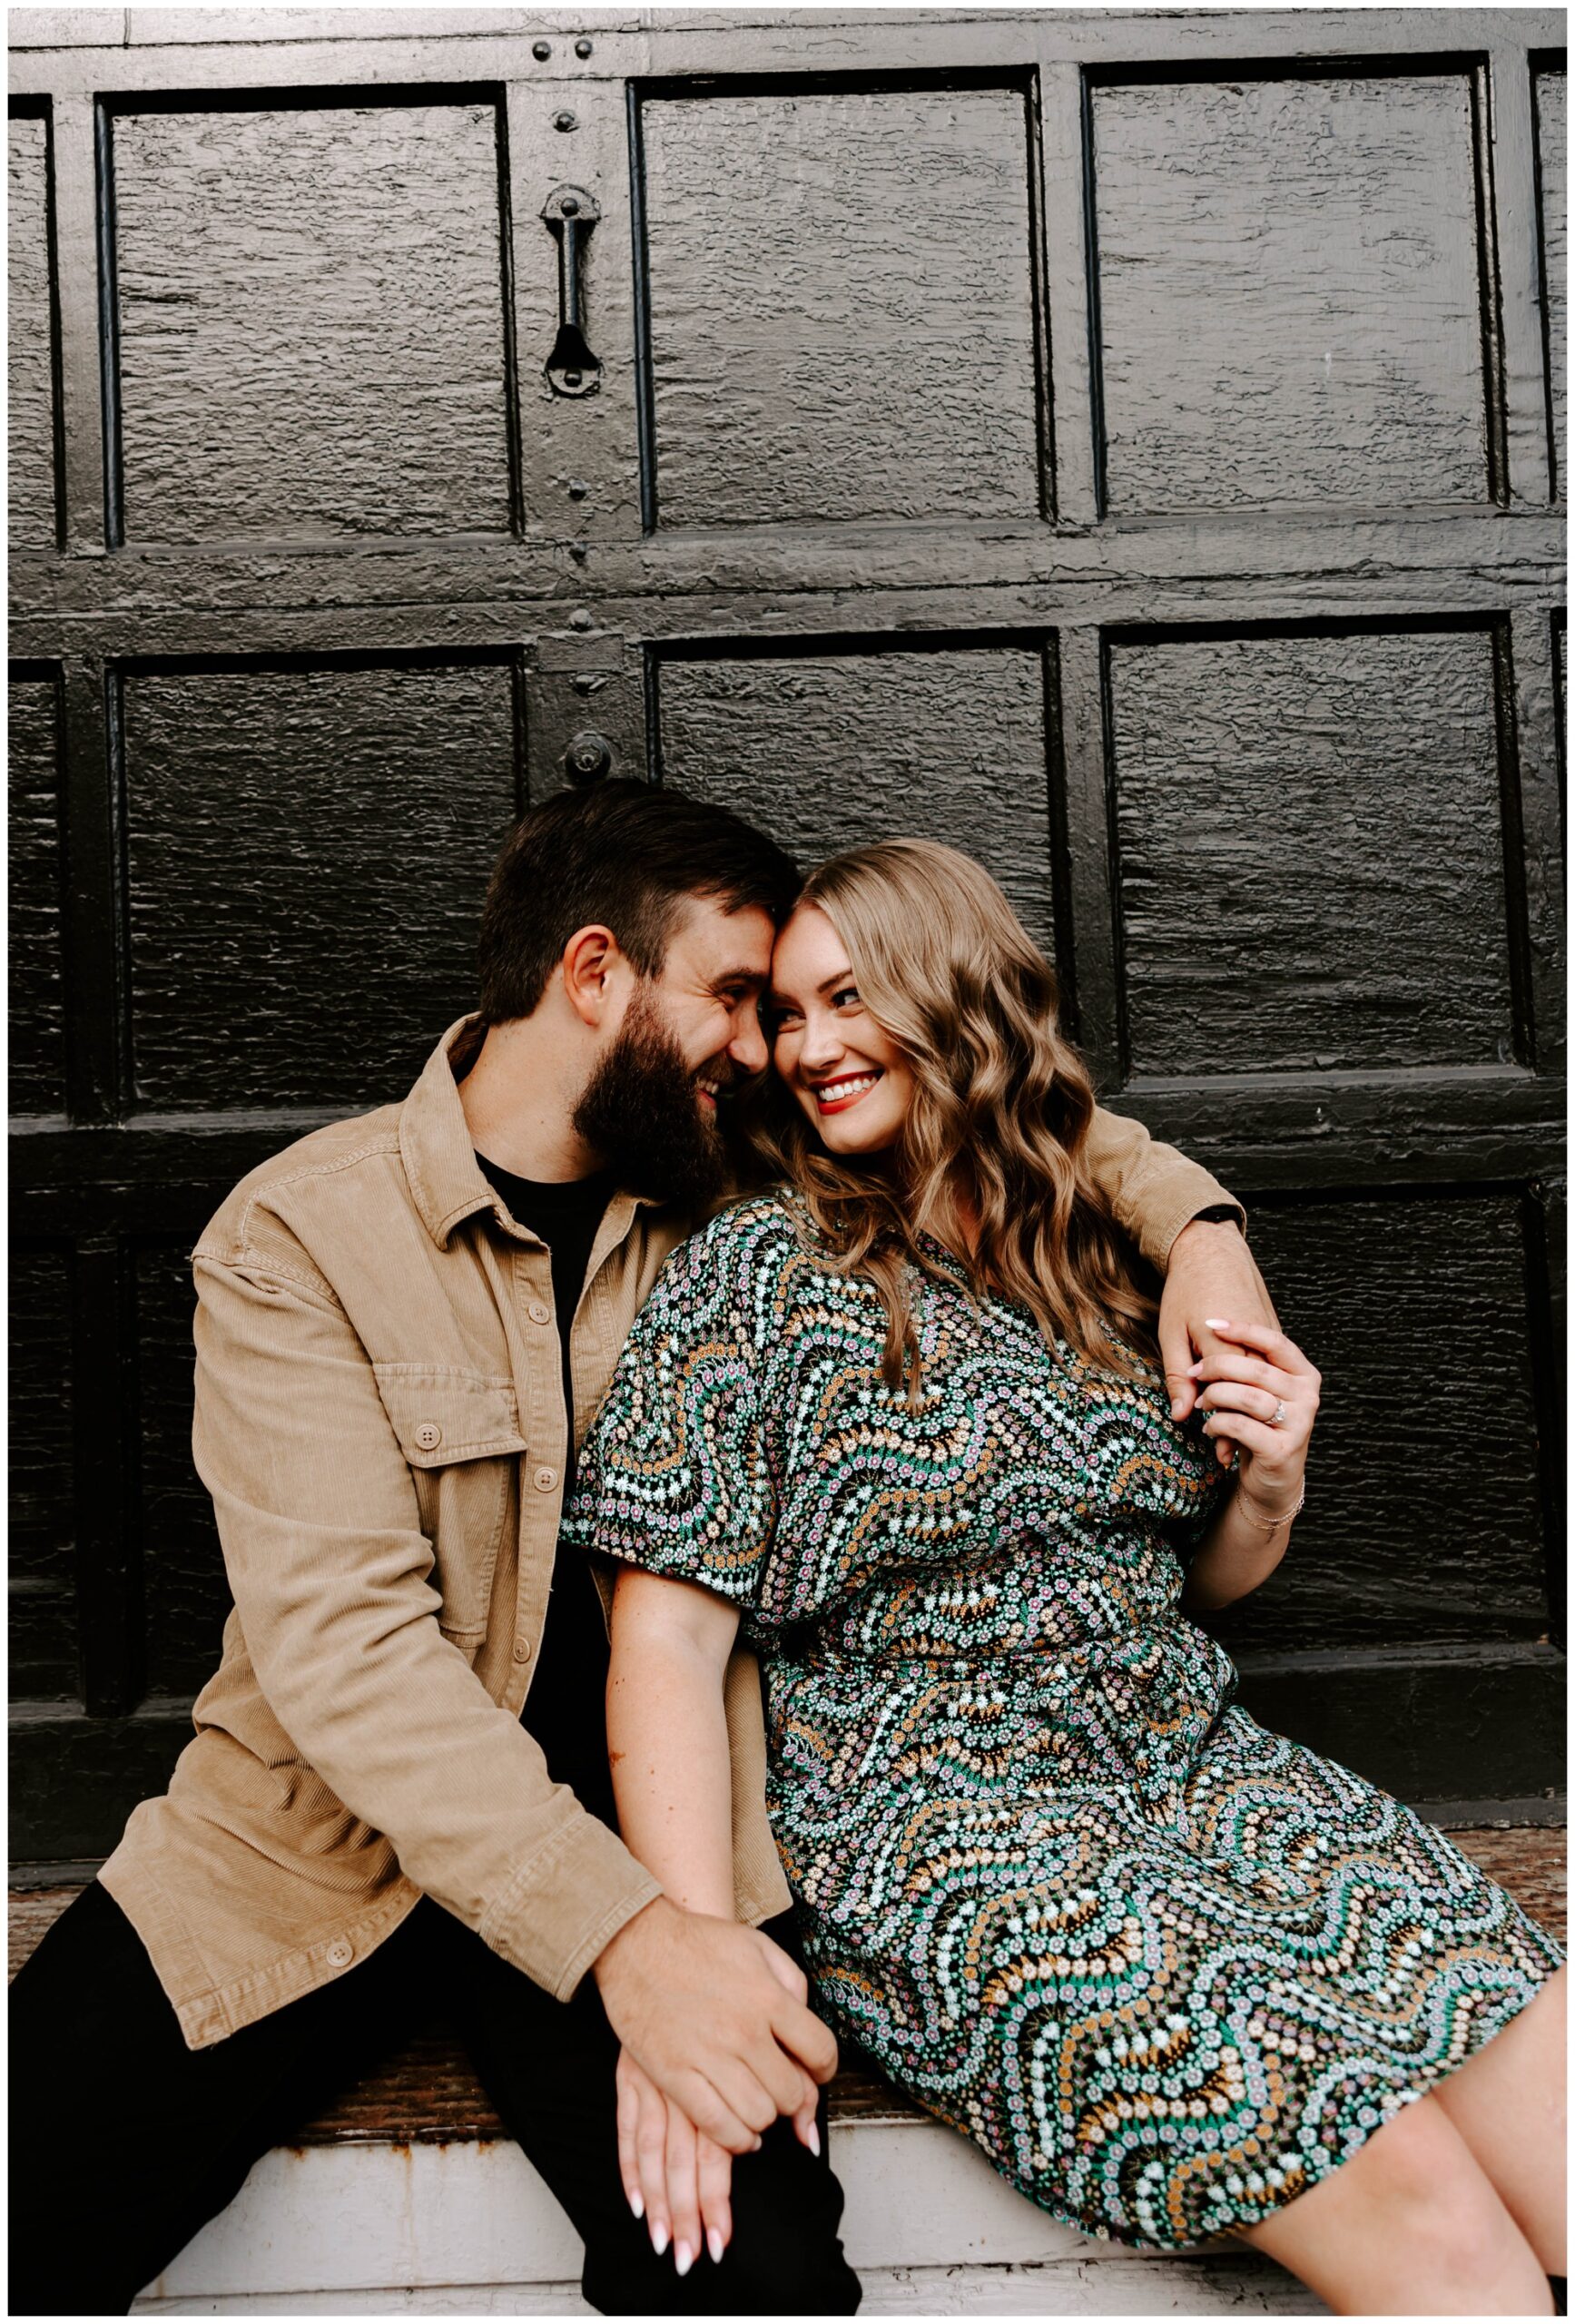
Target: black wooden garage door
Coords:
[[1128, 446]]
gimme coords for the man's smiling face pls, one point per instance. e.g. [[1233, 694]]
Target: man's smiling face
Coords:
[[687, 1035]]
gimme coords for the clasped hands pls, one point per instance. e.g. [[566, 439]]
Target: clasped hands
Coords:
[[717, 2042]]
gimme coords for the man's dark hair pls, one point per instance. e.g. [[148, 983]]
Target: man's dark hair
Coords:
[[624, 855]]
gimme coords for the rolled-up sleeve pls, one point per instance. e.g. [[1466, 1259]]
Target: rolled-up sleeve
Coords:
[[331, 1576], [1154, 1191]]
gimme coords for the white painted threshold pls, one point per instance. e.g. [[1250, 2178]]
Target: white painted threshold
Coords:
[[466, 2228]]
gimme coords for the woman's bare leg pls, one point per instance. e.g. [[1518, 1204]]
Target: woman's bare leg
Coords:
[[1507, 2102], [1411, 2226]]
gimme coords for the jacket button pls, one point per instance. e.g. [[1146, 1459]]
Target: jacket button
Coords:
[[539, 1312], [428, 1435], [340, 1954], [522, 1650], [545, 1479]]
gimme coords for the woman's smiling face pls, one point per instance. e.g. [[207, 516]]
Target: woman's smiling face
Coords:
[[849, 1076]]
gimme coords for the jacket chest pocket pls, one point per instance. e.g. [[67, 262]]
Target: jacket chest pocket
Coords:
[[459, 1432]]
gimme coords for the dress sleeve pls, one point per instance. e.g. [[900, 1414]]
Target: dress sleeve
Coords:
[[674, 1475]]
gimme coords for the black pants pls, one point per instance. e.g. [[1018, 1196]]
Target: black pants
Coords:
[[124, 2141]]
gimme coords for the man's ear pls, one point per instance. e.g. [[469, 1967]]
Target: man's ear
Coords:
[[591, 962]]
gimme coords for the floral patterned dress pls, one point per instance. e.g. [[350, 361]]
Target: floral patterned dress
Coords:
[[1168, 1969]]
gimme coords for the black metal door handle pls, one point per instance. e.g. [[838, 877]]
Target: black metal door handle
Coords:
[[569, 214]]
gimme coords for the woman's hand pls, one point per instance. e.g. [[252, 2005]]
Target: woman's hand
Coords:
[[675, 2179], [1209, 1272], [1261, 1395]]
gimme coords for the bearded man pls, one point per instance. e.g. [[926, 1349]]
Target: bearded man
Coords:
[[397, 1789]]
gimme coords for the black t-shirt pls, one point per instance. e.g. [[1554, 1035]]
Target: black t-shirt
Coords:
[[566, 1710]]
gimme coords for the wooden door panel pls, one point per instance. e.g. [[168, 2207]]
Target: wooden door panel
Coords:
[[185, 1595], [31, 362], [1288, 289], [841, 306], [37, 1017], [306, 848], [1311, 851], [310, 323], [1251, 709], [830, 749], [40, 1559], [1424, 1521], [1551, 94]]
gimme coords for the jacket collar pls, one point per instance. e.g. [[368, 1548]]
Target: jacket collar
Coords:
[[446, 1182]]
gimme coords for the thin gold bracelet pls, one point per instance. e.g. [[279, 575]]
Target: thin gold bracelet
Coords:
[[1273, 1524]]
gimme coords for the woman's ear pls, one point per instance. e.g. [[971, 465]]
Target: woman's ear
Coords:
[[591, 960]]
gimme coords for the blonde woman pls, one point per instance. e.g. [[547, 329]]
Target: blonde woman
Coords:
[[902, 1415]]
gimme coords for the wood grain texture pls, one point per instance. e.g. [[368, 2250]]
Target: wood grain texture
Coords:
[[1538, 1874], [829, 751], [185, 1594], [37, 1019], [1552, 98], [1422, 1521], [310, 323], [798, 580], [1288, 292], [75, 1777], [42, 1619], [29, 369], [842, 312], [1311, 857], [307, 852], [1423, 1723]]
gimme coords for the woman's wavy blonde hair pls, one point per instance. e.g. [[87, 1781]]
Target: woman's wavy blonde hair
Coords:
[[998, 1123]]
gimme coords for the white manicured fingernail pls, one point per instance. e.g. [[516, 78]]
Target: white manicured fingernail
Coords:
[[813, 2138], [659, 2236], [637, 2204], [714, 2243], [683, 2259], [1217, 1323]]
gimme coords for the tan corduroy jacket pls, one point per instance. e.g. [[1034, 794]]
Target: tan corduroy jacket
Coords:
[[378, 1419]]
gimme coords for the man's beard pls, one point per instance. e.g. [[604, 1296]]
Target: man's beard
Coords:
[[641, 1112]]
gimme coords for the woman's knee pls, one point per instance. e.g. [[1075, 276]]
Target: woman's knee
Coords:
[[1415, 2186]]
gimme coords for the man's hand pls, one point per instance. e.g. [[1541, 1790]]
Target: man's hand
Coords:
[[1210, 1271], [715, 2015]]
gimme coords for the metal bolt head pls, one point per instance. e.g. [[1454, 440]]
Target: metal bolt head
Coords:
[[572, 378], [570, 205], [566, 121], [578, 488], [588, 756], [582, 46], [541, 50]]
